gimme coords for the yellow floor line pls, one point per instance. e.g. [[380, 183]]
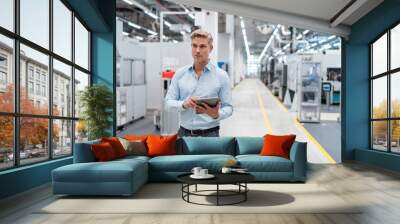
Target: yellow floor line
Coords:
[[267, 123], [304, 130]]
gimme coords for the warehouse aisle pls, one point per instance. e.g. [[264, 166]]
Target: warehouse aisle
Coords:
[[257, 112]]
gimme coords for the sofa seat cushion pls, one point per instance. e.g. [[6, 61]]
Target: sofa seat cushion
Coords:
[[185, 163], [257, 163], [112, 171]]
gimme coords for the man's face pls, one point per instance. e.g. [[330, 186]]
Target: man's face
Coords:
[[201, 49]]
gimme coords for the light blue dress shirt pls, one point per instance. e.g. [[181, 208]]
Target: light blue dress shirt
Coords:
[[214, 82]]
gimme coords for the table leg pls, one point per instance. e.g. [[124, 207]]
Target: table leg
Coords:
[[245, 191], [217, 194]]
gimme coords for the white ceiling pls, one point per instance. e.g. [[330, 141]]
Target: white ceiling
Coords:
[[321, 9], [306, 14]]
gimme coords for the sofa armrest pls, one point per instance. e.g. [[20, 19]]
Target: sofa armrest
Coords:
[[83, 152], [298, 155]]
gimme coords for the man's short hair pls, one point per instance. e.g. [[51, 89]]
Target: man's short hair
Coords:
[[203, 34]]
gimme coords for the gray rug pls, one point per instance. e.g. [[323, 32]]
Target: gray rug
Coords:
[[166, 198]]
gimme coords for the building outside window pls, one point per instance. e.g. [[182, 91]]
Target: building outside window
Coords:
[[30, 87], [34, 82], [385, 97], [30, 72]]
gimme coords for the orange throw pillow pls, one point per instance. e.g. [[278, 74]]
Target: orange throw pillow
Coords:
[[161, 145], [103, 152], [275, 145], [136, 137], [116, 145]]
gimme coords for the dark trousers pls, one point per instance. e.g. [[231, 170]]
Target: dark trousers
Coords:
[[187, 133]]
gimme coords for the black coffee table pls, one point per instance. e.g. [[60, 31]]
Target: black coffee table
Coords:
[[238, 179]]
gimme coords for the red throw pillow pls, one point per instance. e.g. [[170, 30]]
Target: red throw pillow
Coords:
[[116, 145], [161, 145], [275, 145], [136, 137], [103, 152]]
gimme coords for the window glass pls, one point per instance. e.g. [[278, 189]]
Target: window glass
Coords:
[[379, 135], [62, 29], [395, 136], [395, 94], [395, 47], [81, 131], [379, 55], [6, 142], [7, 14], [33, 139], [39, 61], [34, 21], [81, 45], [6, 74], [62, 138], [62, 89], [379, 98], [81, 81]]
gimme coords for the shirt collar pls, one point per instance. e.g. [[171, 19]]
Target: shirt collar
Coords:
[[207, 68]]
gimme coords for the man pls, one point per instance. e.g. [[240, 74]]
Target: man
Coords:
[[202, 79]]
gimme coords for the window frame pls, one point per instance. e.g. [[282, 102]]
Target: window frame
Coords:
[[388, 74], [15, 68]]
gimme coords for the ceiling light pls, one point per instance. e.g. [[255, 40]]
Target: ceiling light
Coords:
[[128, 2], [154, 16], [183, 33], [286, 46], [139, 37], [246, 44], [134, 25], [167, 24], [151, 32], [268, 43], [331, 37], [305, 32], [125, 33]]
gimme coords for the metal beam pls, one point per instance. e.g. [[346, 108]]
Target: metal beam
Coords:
[[346, 12], [269, 15]]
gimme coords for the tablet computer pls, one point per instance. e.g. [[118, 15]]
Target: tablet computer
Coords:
[[210, 101]]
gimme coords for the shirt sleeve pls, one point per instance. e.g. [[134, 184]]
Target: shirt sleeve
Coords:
[[172, 99], [225, 96]]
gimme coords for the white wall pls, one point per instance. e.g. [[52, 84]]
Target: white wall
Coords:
[[155, 53], [208, 20]]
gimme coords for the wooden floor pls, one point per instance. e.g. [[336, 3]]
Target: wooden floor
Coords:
[[377, 189]]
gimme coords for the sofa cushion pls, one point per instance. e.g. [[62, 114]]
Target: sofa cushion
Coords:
[[112, 171], [257, 163], [206, 145], [249, 145], [185, 163], [83, 152]]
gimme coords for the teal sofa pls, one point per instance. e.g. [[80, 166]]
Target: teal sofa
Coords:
[[125, 176]]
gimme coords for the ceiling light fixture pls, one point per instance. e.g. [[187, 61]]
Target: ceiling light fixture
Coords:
[[264, 51], [151, 32], [246, 44], [128, 2]]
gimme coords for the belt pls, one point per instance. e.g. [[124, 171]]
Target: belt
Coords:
[[201, 131]]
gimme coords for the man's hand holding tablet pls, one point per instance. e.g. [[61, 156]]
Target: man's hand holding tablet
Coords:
[[210, 106], [210, 101]]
